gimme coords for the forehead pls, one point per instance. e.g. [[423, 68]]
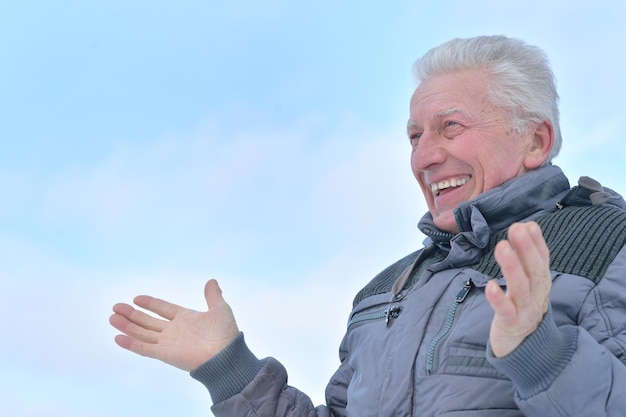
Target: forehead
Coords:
[[442, 95]]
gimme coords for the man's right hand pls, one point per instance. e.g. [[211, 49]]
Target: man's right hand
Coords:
[[183, 338]]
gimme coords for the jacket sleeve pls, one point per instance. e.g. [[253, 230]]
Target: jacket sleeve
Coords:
[[242, 385], [576, 370]]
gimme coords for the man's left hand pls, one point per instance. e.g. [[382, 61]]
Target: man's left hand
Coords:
[[525, 262]]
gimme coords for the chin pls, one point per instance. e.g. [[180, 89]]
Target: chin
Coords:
[[446, 222]]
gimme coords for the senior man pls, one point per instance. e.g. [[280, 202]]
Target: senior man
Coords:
[[516, 304]]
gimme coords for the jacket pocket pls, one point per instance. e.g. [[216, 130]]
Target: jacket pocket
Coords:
[[470, 360], [502, 412]]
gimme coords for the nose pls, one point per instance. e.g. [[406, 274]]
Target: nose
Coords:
[[429, 150]]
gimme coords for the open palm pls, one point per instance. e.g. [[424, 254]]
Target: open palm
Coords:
[[182, 337]]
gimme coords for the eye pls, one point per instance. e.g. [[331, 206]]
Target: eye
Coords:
[[414, 138], [451, 128]]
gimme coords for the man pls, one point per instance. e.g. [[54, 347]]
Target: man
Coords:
[[514, 307]]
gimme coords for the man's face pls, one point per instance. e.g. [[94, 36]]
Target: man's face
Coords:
[[461, 145]]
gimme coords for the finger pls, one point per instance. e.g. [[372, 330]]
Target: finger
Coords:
[[517, 283], [133, 330], [139, 317], [502, 305], [136, 346], [123, 309], [535, 257], [163, 308], [540, 243], [124, 341], [213, 293], [528, 242]]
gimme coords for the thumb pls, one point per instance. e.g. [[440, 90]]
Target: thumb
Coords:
[[213, 293]]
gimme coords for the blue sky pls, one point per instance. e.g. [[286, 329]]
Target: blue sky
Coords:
[[150, 145]]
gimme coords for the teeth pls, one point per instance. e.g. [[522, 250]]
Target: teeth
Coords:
[[442, 185]]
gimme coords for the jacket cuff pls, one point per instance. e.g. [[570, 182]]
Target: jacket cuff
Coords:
[[539, 359], [228, 372]]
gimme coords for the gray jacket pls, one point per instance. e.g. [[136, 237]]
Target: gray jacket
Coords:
[[417, 337]]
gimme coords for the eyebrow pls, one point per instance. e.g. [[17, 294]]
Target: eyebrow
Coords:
[[411, 124], [447, 112]]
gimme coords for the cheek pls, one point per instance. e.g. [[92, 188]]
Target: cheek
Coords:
[[499, 173], [413, 164]]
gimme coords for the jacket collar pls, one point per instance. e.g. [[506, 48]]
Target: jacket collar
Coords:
[[499, 207]]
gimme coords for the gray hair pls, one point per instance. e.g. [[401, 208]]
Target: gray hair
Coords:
[[520, 78]]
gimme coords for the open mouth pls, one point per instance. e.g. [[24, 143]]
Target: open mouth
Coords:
[[443, 186]]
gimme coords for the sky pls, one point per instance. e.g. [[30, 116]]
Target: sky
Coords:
[[147, 146]]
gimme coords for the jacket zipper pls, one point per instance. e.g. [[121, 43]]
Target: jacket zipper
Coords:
[[432, 349], [392, 312]]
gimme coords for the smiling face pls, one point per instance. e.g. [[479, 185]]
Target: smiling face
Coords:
[[462, 145]]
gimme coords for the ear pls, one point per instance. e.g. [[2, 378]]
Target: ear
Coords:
[[540, 145]]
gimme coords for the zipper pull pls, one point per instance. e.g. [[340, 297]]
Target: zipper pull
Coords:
[[392, 313], [460, 297]]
